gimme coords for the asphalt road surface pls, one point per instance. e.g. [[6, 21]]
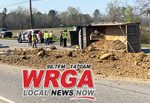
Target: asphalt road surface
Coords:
[[11, 44], [107, 91]]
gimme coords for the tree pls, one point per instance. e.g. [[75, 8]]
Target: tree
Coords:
[[128, 15], [52, 14], [39, 13], [54, 20], [5, 10], [143, 4], [73, 16], [63, 18], [18, 19], [4, 17], [96, 15], [143, 8], [85, 19], [114, 11]]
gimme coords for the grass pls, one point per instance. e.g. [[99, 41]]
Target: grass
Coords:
[[8, 38], [56, 31], [146, 45], [145, 36]]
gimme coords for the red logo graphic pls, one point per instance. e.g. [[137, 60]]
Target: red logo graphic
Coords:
[[56, 83]]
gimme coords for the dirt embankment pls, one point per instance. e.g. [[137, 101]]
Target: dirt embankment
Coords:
[[105, 63]]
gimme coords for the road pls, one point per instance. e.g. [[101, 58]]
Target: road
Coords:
[[11, 44], [107, 91], [7, 44], [14, 44]]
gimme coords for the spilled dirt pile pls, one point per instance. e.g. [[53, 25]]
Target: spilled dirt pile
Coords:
[[104, 63], [109, 44]]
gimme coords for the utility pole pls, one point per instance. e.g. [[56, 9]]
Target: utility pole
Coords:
[[31, 16]]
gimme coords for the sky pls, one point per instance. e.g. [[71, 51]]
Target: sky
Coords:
[[85, 6]]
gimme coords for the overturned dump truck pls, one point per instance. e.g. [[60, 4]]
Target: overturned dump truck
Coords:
[[127, 33]]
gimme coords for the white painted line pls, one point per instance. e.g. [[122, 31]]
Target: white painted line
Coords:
[[6, 100]]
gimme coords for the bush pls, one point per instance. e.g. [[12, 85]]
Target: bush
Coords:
[[145, 36]]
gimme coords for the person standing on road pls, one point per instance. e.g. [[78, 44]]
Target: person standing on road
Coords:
[[61, 39], [29, 39], [19, 36], [39, 37], [34, 40], [46, 37], [51, 37], [65, 35]]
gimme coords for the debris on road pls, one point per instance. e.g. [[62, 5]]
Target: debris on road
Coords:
[[105, 63], [70, 54], [41, 53], [52, 47], [106, 56], [3, 53], [91, 48]]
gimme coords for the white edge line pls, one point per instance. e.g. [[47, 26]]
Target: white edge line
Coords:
[[6, 100]]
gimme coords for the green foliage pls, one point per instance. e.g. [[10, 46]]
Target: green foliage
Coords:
[[145, 37], [128, 15], [136, 19]]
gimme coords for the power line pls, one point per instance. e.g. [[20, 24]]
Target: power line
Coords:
[[30, 4], [14, 4]]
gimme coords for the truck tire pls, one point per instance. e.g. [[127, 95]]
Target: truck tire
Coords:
[[10, 36]]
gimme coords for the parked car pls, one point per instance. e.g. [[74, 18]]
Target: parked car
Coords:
[[24, 36], [5, 33]]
